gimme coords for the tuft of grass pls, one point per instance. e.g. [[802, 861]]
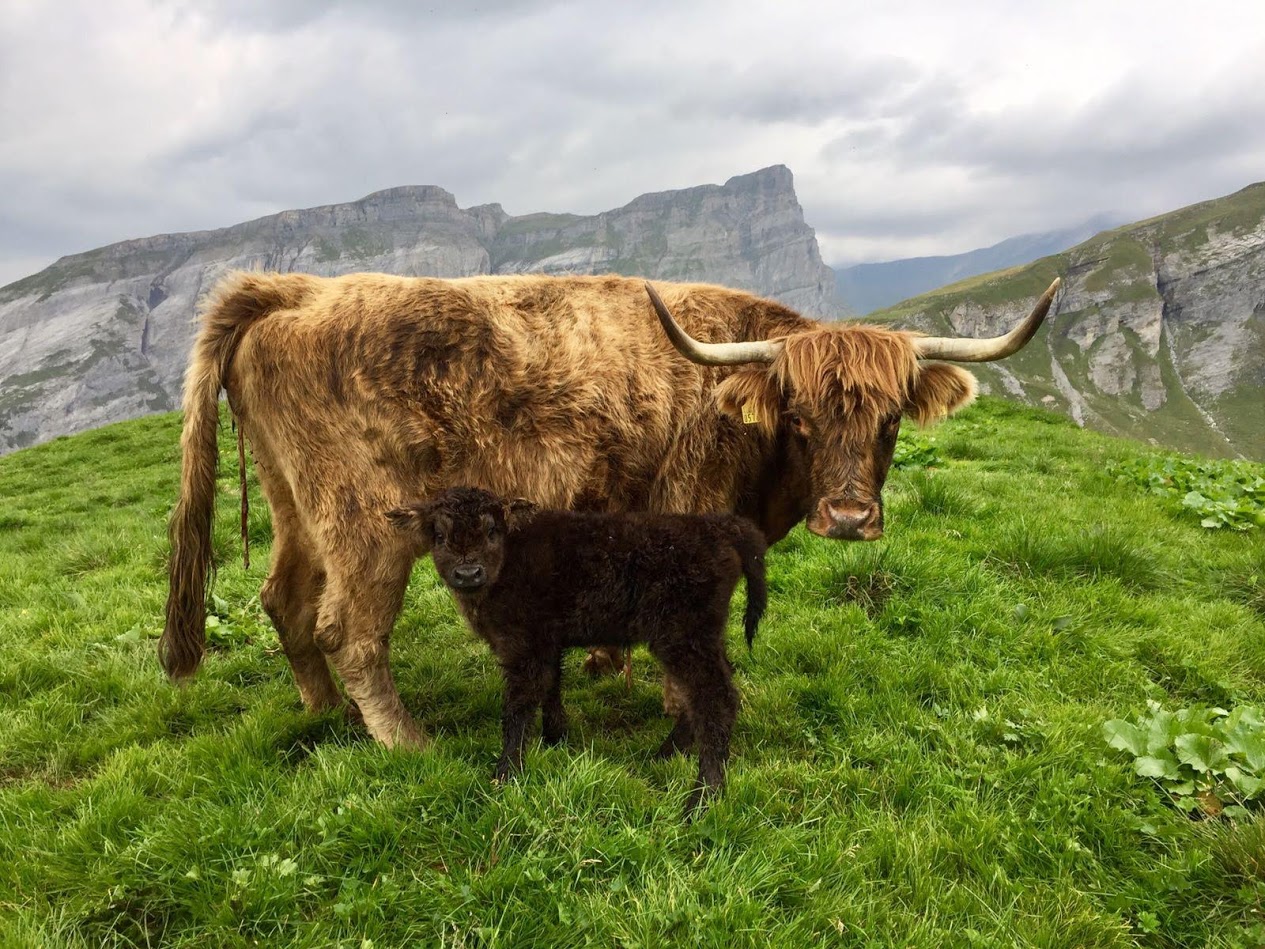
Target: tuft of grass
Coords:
[[918, 760]]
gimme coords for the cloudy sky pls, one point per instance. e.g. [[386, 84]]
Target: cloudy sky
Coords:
[[926, 127]]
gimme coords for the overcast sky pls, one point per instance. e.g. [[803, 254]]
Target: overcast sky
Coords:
[[912, 128]]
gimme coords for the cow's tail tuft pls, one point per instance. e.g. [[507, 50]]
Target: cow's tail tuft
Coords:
[[751, 547], [239, 300]]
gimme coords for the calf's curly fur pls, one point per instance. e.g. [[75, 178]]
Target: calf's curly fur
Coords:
[[534, 582]]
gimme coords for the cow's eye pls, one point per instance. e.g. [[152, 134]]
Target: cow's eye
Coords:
[[491, 532], [439, 538]]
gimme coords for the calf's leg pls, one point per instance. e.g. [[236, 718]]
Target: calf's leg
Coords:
[[554, 719], [712, 702], [681, 739], [528, 681]]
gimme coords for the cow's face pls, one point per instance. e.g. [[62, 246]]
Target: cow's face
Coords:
[[837, 396], [840, 392], [465, 531]]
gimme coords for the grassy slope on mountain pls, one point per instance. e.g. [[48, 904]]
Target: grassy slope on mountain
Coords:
[[1121, 262], [917, 761]]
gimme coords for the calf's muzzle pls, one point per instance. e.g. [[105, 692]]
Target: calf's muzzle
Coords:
[[468, 576]]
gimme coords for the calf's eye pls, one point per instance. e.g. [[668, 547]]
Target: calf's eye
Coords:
[[439, 538]]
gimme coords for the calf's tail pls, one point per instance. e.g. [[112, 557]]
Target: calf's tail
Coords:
[[239, 300], [751, 547]]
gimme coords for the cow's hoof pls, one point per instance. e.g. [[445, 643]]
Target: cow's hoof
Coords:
[[603, 661]]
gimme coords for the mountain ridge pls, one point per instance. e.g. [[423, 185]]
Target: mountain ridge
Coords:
[[104, 335]]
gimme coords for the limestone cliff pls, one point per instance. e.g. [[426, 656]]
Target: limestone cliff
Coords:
[[104, 335]]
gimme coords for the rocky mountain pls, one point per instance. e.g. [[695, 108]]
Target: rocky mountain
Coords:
[[1158, 332], [104, 335], [869, 287]]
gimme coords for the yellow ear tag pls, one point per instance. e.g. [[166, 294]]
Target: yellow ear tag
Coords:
[[749, 416]]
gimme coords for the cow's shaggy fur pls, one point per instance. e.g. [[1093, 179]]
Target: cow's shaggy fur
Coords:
[[533, 583], [358, 393]]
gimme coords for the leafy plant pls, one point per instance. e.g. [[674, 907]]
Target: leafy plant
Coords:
[[1222, 493], [914, 450], [1205, 758]]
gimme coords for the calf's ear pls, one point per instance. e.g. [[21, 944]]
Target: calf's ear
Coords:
[[518, 512], [941, 389]]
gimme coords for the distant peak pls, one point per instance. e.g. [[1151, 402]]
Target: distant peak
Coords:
[[417, 193], [774, 177]]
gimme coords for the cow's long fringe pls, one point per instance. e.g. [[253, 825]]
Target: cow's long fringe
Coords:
[[239, 300]]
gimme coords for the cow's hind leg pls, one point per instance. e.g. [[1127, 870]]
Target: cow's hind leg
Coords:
[[290, 596], [366, 574]]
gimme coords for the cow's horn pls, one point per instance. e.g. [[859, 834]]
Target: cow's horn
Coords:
[[986, 350], [712, 354]]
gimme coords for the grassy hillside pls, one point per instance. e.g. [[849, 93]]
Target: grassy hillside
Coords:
[[919, 759]]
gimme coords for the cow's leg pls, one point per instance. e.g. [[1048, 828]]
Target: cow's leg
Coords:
[[367, 571], [292, 590], [604, 660], [290, 596]]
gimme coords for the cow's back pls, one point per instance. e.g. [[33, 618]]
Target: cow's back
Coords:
[[379, 388]]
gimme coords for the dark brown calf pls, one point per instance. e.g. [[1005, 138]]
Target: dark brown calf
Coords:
[[533, 583]]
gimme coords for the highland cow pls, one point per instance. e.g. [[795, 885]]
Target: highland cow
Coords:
[[534, 582], [358, 393]]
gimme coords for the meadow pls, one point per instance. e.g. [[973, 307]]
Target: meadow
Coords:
[[919, 760]]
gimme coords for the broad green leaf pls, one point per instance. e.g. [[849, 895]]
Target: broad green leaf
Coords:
[[1124, 736], [1148, 766], [1164, 728], [1202, 753]]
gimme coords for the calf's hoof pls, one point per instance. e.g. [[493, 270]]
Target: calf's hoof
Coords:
[[697, 803], [505, 771], [552, 739]]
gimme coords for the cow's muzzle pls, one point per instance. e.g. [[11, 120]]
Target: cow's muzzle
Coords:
[[468, 576], [847, 520]]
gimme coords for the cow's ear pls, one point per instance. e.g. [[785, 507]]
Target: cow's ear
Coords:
[[518, 512], [751, 396], [413, 518], [941, 390]]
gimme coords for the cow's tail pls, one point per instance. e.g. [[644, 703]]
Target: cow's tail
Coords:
[[749, 543], [238, 301]]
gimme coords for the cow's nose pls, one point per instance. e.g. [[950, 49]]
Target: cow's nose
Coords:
[[468, 576], [848, 520]]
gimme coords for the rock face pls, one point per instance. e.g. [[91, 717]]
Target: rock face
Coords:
[[104, 336], [1158, 333]]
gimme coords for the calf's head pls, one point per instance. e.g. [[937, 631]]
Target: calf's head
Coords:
[[465, 530], [835, 395]]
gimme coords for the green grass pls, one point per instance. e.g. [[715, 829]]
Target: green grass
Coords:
[[919, 759]]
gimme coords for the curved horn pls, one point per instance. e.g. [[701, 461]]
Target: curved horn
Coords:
[[711, 354], [986, 350]]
